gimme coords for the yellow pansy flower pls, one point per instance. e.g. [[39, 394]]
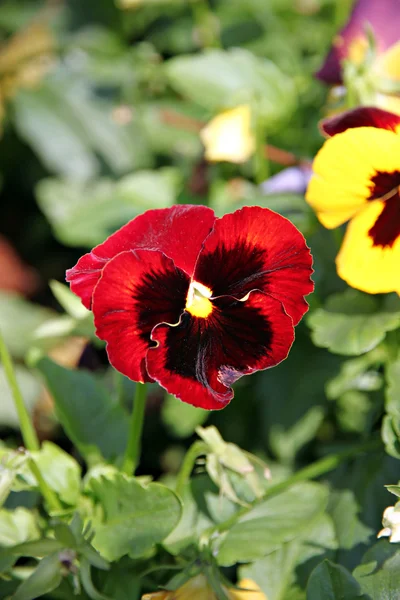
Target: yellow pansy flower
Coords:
[[357, 178], [229, 137]]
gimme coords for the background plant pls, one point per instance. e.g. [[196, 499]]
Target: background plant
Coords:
[[102, 104]]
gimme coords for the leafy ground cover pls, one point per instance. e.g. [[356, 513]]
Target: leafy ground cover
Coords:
[[111, 489]]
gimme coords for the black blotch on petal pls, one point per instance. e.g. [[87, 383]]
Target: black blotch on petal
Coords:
[[232, 270], [386, 228], [161, 296], [234, 337], [382, 183]]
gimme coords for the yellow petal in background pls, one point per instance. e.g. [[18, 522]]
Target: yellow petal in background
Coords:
[[26, 58], [343, 169], [229, 137], [388, 65], [253, 593], [198, 588], [372, 269]]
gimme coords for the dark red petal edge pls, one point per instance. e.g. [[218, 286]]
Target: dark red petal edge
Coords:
[[178, 232], [366, 116]]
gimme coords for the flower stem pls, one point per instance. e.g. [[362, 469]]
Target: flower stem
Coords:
[[47, 493], [132, 453], [261, 163], [28, 432], [320, 467], [196, 449], [206, 24]]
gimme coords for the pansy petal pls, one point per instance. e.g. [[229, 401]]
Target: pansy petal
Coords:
[[199, 359], [256, 249], [369, 258], [178, 232], [382, 15], [137, 290], [365, 116], [344, 171]]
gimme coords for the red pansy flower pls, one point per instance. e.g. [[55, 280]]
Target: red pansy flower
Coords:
[[195, 302]]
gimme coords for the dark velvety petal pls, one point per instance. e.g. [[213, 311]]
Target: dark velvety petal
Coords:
[[382, 15], [199, 359], [386, 229], [365, 116], [137, 290], [255, 248], [178, 232]]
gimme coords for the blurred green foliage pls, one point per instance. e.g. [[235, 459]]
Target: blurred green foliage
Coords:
[[101, 105]]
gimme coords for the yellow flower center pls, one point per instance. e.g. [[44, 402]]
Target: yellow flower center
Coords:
[[197, 301]]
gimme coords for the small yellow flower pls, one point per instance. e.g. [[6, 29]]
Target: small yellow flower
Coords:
[[198, 588], [229, 137]]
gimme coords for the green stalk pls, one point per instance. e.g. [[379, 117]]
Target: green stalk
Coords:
[[320, 467], [132, 453], [261, 163], [196, 449], [28, 432], [206, 24]]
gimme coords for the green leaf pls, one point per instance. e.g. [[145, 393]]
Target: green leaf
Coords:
[[45, 578], [226, 196], [135, 517], [60, 471], [180, 418], [37, 548], [108, 205], [344, 510], [31, 390], [122, 584], [87, 583], [44, 121], [391, 435], [393, 388], [150, 189], [165, 137], [225, 460], [203, 507], [17, 526], [286, 443], [19, 319], [217, 79], [293, 561], [333, 582], [379, 572], [272, 522], [351, 323], [77, 223], [122, 148], [357, 374], [393, 489], [92, 420], [68, 300]]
